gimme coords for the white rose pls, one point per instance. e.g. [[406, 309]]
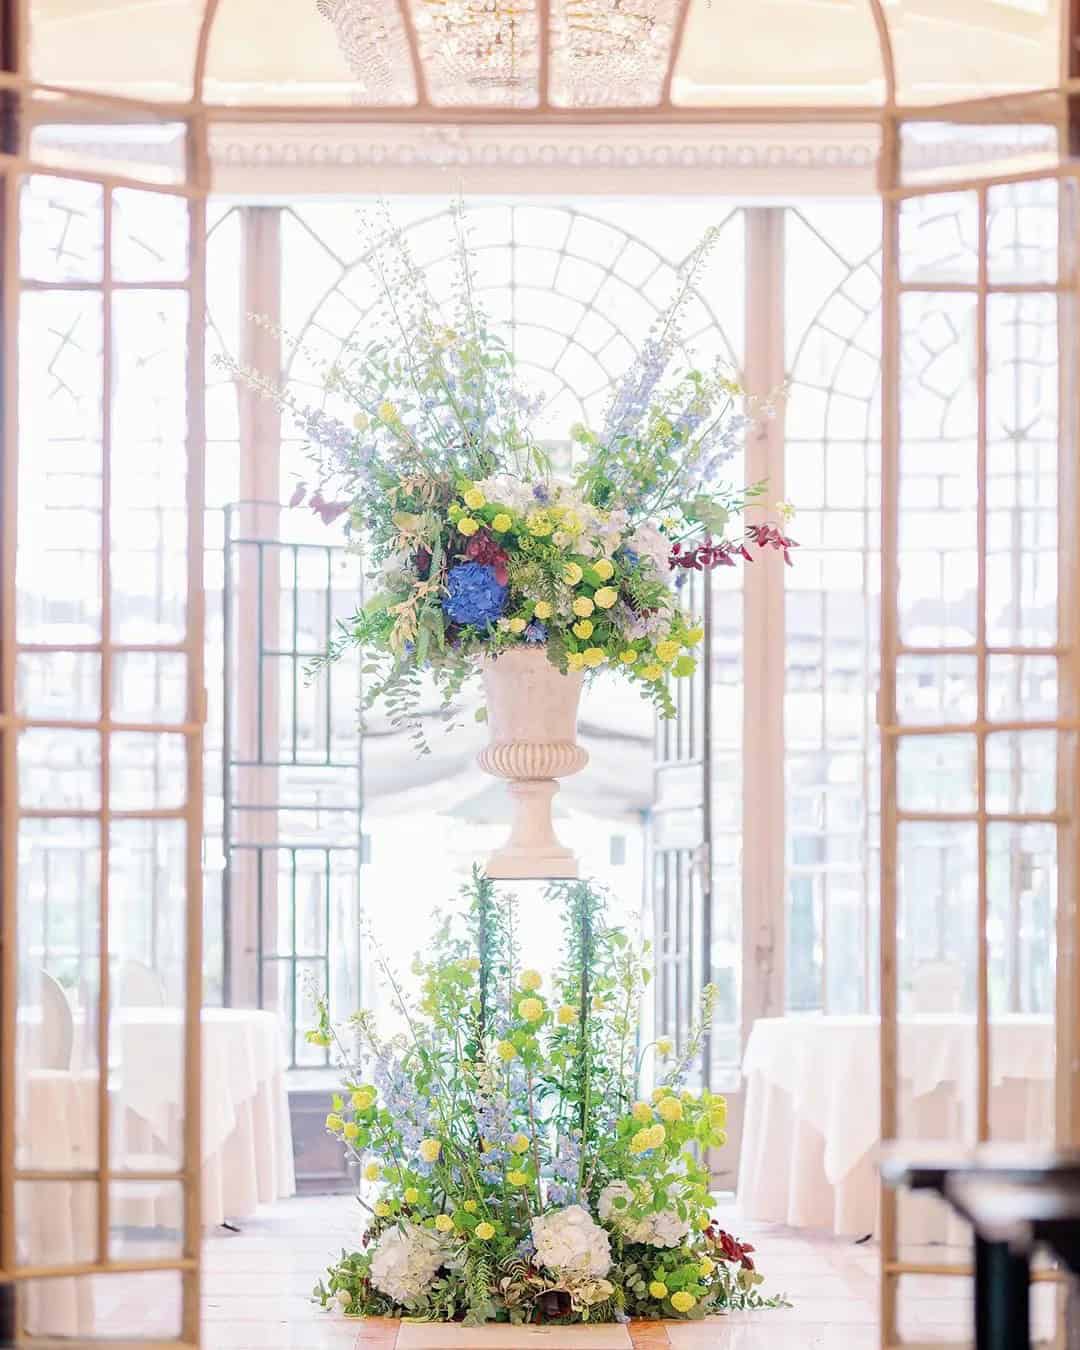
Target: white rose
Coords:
[[405, 1262], [568, 1241]]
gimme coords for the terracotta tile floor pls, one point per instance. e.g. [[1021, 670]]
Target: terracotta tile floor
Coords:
[[257, 1284]]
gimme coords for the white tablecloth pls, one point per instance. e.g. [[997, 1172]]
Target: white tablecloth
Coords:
[[812, 1113], [247, 1142]]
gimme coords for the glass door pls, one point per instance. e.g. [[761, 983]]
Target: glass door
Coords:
[[101, 713]]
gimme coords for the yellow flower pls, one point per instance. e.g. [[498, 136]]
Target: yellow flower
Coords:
[[583, 606], [657, 1135], [472, 964], [575, 661], [718, 1138], [351, 1130], [506, 1051], [530, 980], [412, 1196], [444, 1223], [387, 412], [572, 574], [693, 636], [640, 1141], [484, 1231], [718, 1114], [603, 569], [704, 1222], [517, 625], [334, 1123], [652, 671], [531, 1009], [785, 511], [542, 610], [658, 1289], [517, 1178], [470, 1206], [572, 523], [372, 1172], [501, 523], [706, 1268], [361, 421], [628, 657], [682, 1301], [382, 1209], [664, 1046], [430, 1149], [466, 525], [606, 596], [669, 1108], [364, 1097], [598, 1004], [642, 1113], [595, 656], [474, 499], [539, 523], [519, 1144], [666, 651], [566, 1015], [684, 666], [583, 628]]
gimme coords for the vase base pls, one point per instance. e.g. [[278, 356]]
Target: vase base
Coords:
[[510, 864], [439, 1336]]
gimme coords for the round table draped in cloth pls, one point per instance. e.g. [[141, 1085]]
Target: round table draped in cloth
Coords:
[[812, 1117], [246, 1141]]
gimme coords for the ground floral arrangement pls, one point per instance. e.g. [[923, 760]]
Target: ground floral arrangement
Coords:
[[478, 545], [511, 1171]]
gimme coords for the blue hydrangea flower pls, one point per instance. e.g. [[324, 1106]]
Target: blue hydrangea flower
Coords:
[[474, 596]]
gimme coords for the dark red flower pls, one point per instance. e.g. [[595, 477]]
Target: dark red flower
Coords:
[[423, 563], [482, 548]]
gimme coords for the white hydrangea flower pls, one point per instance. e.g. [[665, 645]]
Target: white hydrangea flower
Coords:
[[665, 1229], [568, 1241], [405, 1262], [507, 490], [653, 547], [606, 1207]]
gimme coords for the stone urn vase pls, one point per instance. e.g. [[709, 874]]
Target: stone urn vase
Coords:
[[532, 721]]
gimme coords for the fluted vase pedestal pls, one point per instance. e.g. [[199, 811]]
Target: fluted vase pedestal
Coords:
[[532, 721]]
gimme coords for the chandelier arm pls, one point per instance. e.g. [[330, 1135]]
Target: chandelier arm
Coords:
[[678, 33]]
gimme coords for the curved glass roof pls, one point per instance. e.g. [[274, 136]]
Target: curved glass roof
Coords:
[[749, 54]]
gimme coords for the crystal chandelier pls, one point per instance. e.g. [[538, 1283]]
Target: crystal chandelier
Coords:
[[610, 51], [479, 45], [372, 40], [603, 51]]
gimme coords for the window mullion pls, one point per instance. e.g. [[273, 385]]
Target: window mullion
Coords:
[[763, 853], [250, 822]]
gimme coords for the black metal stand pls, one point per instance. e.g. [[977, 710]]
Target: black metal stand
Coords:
[[7, 1314], [1002, 1296]]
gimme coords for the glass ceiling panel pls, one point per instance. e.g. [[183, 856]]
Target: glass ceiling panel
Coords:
[[125, 47], [946, 50], [780, 52], [335, 54]]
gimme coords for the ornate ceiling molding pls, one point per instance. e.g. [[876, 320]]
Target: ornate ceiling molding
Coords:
[[681, 160]]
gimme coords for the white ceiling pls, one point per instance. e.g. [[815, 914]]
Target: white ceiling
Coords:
[[734, 53]]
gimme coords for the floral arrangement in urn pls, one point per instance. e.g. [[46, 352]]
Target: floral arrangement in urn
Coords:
[[512, 1171], [479, 546], [481, 550]]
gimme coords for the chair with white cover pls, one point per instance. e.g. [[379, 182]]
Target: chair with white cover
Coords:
[[138, 985], [57, 1024]]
